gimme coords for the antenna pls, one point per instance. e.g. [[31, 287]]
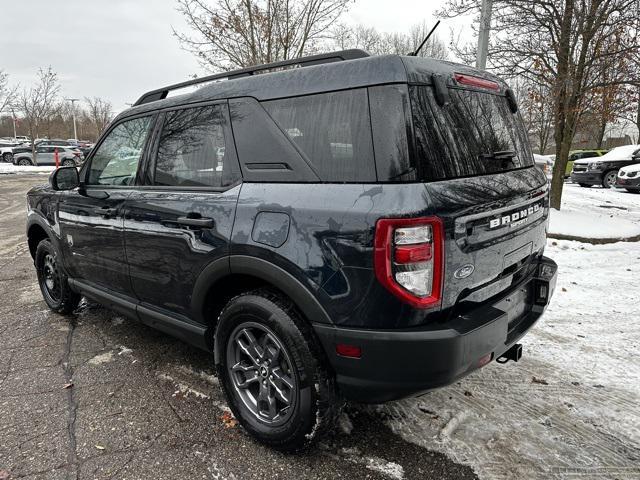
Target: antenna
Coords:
[[415, 54]]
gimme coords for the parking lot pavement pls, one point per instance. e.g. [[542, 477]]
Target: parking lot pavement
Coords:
[[103, 397]]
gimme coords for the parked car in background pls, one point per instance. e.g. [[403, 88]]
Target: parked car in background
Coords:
[[56, 141], [579, 155], [6, 150], [45, 155], [629, 178], [603, 170]]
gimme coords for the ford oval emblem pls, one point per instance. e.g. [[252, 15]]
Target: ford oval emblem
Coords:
[[464, 271]]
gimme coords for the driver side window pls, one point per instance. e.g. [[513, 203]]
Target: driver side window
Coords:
[[116, 160]]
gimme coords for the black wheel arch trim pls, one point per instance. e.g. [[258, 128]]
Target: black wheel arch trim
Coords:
[[300, 294], [279, 278], [36, 219]]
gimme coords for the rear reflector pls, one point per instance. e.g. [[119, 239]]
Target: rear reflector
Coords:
[[350, 351], [485, 359], [472, 81]]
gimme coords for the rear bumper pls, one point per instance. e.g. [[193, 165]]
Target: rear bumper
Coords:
[[401, 363], [588, 178]]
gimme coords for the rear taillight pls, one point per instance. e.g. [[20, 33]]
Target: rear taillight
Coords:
[[408, 259]]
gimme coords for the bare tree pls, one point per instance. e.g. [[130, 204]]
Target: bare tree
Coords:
[[536, 107], [383, 43], [7, 92], [99, 113], [39, 104], [565, 45], [228, 34]]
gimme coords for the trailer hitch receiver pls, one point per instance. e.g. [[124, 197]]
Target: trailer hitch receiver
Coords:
[[514, 353]]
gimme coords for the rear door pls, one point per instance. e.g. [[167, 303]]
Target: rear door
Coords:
[[91, 217], [44, 155], [474, 155], [181, 219]]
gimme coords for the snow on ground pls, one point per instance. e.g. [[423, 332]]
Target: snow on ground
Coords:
[[596, 213], [571, 407], [8, 168]]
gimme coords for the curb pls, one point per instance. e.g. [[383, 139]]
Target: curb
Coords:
[[593, 241]]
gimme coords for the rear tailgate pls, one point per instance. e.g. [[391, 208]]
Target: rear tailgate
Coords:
[[473, 154], [493, 232]]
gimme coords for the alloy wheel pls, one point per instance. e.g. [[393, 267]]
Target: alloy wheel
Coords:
[[261, 373], [51, 277], [610, 179]]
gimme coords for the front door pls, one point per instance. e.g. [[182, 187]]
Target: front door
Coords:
[[182, 219], [91, 216]]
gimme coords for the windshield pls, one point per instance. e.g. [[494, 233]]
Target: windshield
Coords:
[[474, 134]]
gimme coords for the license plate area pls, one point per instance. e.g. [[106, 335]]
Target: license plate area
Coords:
[[516, 304]]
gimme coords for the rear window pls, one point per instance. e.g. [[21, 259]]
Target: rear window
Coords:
[[474, 134], [332, 130]]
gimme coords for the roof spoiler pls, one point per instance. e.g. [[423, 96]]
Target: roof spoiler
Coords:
[[162, 93]]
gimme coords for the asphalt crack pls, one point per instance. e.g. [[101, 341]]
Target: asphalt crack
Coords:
[[67, 370]]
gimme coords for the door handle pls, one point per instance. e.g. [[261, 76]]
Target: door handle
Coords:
[[106, 212], [199, 222]]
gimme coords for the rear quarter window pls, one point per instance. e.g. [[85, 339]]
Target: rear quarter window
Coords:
[[332, 131], [465, 137]]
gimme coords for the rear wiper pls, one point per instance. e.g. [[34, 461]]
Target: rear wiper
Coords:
[[499, 155], [503, 156]]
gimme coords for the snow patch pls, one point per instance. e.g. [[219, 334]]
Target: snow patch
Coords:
[[453, 424], [9, 168], [202, 375], [187, 390], [101, 358], [389, 469], [590, 224], [124, 350], [344, 422]]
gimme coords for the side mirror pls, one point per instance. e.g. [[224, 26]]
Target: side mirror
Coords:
[[64, 178]]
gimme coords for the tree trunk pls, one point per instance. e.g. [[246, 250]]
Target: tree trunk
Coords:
[[559, 167], [601, 131]]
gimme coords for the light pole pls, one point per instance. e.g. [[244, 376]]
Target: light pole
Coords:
[[13, 117], [73, 113], [483, 34]]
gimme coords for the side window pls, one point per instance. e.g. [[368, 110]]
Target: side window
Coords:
[[192, 150], [333, 130], [116, 160]]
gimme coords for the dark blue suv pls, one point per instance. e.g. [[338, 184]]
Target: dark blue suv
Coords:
[[356, 227]]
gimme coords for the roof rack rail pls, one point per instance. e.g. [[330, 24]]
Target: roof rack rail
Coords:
[[162, 93]]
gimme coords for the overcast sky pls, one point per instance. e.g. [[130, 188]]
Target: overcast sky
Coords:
[[117, 49]]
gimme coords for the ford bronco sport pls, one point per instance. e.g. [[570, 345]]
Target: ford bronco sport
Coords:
[[359, 227]]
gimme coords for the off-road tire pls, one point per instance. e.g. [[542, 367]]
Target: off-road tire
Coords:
[[64, 300], [317, 405]]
